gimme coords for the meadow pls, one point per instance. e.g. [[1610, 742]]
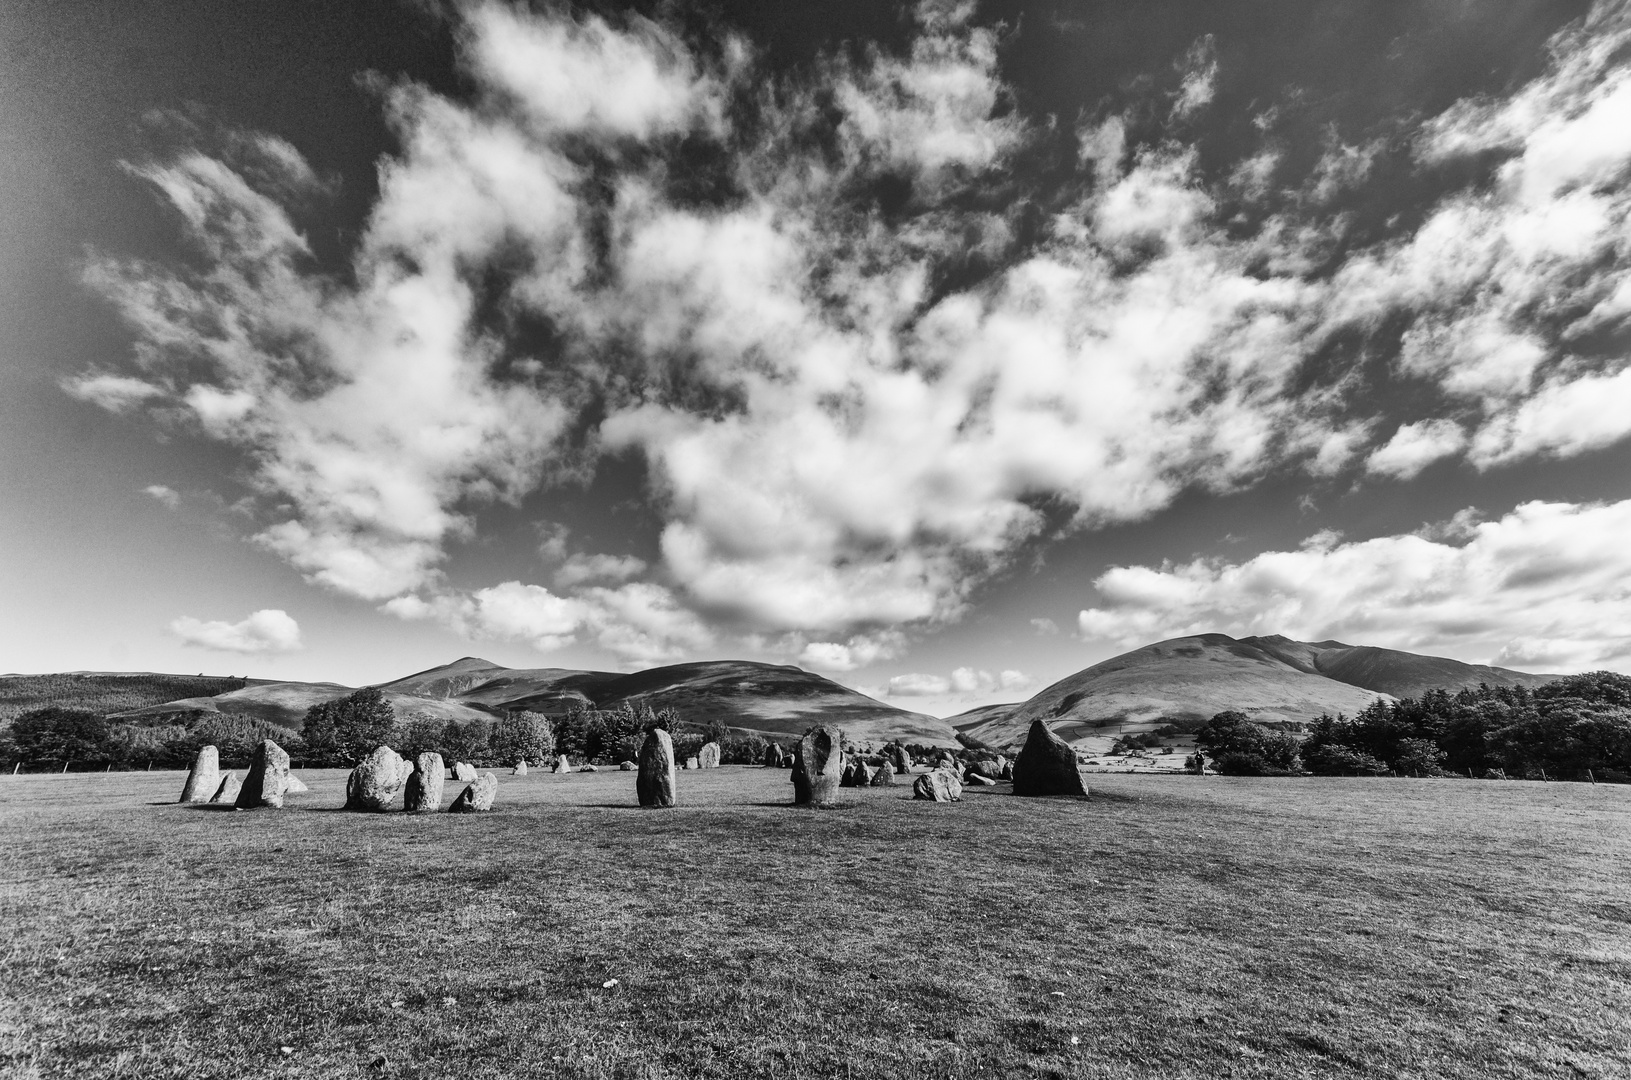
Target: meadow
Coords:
[[1166, 927]]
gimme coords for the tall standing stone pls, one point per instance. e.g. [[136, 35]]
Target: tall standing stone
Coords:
[[563, 764], [228, 789], [655, 784], [477, 797], [1047, 765], [267, 779], [374, 783], [898, 758], [885, 776], [423, 793], [204, 777], [521, 768], [708, 756], [818, 766]]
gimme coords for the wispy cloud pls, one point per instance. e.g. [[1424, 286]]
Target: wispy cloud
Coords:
[[269, 630]]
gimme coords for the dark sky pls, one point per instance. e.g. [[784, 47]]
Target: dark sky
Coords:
[[1344, 271]]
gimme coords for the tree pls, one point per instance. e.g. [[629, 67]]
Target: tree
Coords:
[[523, 736], [55, 736], [1241, 748], [344, 732]]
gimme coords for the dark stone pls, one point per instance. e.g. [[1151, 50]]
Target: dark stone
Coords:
[[818, 766], [477, 797], [267, 779], [708, 756], [423, 792], [885, 776], [938, 785], [989, 768], [655, 785], [1047, 765], [375, 782], [204, 778], [857, 773]]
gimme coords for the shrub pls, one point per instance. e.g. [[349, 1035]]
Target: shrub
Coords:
[[523, 736], [1334, 759]]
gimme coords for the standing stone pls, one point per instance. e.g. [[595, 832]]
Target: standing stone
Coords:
[[521, 768], [228, 789], [296, 786], [708, 756], [655, 784], [376, 780], [693, 762], [204, 777], [885, 776], [772, 758], [626, 766], [1047, 765], [464, 771], [818, 766], [897, 757], [423, 792], [857, 773], [563, 764], [938, 785], [477, 797], [267, 779]]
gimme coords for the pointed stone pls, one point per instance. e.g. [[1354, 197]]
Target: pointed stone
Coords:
[[228, 789], [885, 776], [655, 786], [1047, 765], [818, 766], [267, 779], [423, 792], [204, 777]]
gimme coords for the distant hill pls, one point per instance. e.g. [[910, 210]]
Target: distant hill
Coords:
[[773, 700], [985, 714], [1185, 681]]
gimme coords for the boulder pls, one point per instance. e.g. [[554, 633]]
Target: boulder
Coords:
[[477, 797], [990, 768], [980, 780], [626, 766], [465, 771], [818, 766], [423, 792], [204, 777], [692, 762], [938, 785], [563, 764], [296, 786], [267, 779], [227, 790], [376, 780], [885, 776], [655, 784], [521, 768], [708, 756], [1047, 765], [589, 768]]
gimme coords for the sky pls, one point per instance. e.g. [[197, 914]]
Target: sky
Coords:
[[942, 349]]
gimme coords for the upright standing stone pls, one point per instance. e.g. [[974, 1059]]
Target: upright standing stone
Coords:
[[423, 792], [374, 783], [655, 784], [692, 762], [772, 757], [885, 776], [463, 771], [708, 756], [563, 764], [1047, 765], [228, 790], [477, 797], [897, 757], [204, 777], [521, 768], [267, 779], [938, 785], [818, 766]]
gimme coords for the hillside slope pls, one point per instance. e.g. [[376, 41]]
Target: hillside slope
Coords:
[[1389, 671]]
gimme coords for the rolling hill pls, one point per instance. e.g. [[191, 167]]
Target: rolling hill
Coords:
[[1187, 680]]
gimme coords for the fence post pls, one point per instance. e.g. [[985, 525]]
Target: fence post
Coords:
[[1592, 778], [64, 766]]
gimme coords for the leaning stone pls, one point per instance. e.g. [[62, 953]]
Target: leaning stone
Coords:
[[818, 766], [1047, 765], [204, 777], [626, 766], [423, 791], [708, 756], [376, 780], [521, 768], [885, 776], [563, 764], [267, 779], [477, 797], [296, 786], [655, 784], [463, 771], [228, 789], [937, 785]]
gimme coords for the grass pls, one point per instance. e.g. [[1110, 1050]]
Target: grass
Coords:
[[1168, 927]]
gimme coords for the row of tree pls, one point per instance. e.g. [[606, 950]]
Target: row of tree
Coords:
[[1574, 728]]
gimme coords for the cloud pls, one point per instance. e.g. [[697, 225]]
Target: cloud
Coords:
[[268, 630], [115, 393], [168, 496], [918, 685], [580, 569], [1416, 446], [1482, 591], [1045, 626], [861, 650]]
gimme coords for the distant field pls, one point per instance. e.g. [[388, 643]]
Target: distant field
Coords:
[[1168, 927]]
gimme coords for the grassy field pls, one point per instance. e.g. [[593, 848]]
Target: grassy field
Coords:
[[1168, 927]]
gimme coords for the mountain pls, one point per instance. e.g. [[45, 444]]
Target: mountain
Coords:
[[773, 700], [984, 714], [1185, 681], [1388, 671]]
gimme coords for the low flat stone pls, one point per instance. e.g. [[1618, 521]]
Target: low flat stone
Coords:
[[297, 786], [267, 779], [818, 766], [626, 766], [655, 786], [1047, 765], [422, 794], [204, 777], [477, 797], [377, 780], [937, 785], [227, 790], [980, 780]]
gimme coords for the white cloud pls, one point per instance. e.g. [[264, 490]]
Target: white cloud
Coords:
[[267, 630], [581, 569], [115, 393], [861, 650], [166, 495], [1010, 679], [1200, 80], [1415, 446], [1045, 626], [1547, 572], [918, 685]]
